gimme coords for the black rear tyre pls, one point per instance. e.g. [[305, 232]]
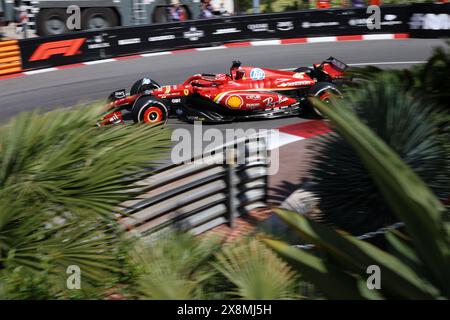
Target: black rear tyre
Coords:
[[323, 90]]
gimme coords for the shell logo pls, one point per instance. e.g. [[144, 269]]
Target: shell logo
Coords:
[[234, 102]]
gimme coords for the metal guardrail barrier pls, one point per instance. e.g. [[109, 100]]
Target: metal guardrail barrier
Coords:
[[203, 193], [10, 60]]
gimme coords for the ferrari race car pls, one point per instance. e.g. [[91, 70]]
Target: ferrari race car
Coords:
[[245, 93]]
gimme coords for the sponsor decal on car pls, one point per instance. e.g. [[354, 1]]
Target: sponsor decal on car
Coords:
[[271, 102], [253, 97], [120, 94], [257, 74], [177, 100], [279, 80], [125, 42], [193, 34], [252, 105], [234, 102], [294, 84], [162, 38]]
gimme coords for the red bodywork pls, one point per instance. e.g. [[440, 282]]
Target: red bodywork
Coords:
[[245, 89]]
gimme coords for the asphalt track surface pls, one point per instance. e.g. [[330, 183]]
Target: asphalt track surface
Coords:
[[68, 87]]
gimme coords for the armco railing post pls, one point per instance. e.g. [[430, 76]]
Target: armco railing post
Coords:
[[230, 165]]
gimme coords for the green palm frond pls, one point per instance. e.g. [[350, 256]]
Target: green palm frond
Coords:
[[176, 267], [430, 81], [61, 158], [61, 178], [409, 198], [416, 266], [256, 272], [407, 124]]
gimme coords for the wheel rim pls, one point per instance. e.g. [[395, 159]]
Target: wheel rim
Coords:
[[153, 115], [325, 97]]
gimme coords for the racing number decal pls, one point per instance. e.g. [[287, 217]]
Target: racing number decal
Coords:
[[64, 47]]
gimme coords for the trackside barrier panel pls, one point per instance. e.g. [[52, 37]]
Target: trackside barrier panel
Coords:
[[419, 20], [195, 196], [78, 47], [10, 59]]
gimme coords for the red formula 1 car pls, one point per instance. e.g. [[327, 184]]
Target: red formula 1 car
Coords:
[[245, 93]]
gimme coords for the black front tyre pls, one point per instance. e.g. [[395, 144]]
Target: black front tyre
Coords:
[[323, 90], [150, 110]]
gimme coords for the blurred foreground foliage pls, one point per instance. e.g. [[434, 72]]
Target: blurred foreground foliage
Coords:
[[61, 177], [408, 109], [417, 263]]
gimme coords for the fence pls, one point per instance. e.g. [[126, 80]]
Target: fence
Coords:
[[203, 193]]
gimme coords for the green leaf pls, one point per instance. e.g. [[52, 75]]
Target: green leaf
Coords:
[[356, 255], [407, 195], [329, 279]]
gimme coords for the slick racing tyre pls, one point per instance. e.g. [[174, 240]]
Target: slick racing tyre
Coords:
[[323, 90], [149, 110], [143, 85]]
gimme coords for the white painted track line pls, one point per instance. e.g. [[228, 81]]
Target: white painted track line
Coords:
[[211, 48], [39, 71], [99, 61], [320, 39], [154, 54]]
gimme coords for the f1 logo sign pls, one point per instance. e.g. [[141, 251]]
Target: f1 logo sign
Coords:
[[64, 47]]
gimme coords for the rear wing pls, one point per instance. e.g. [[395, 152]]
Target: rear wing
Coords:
[[337, 64]]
